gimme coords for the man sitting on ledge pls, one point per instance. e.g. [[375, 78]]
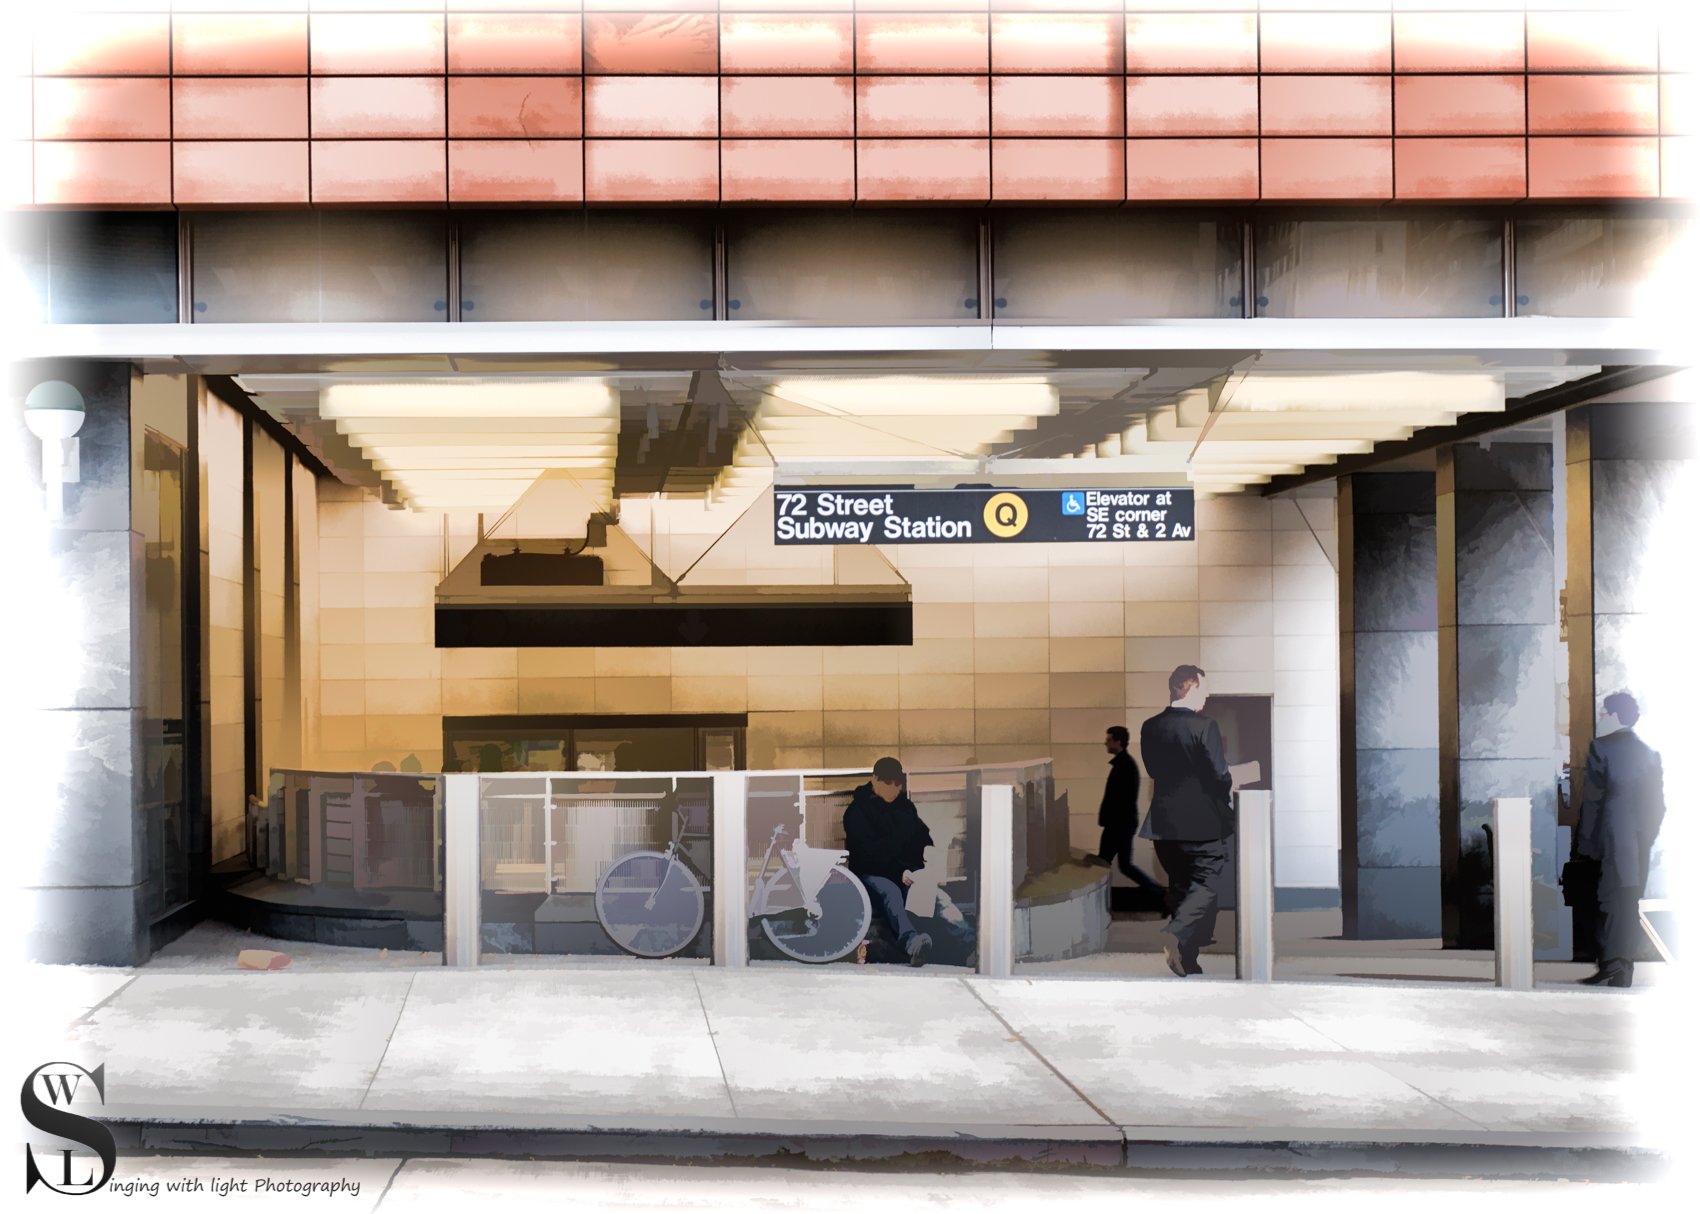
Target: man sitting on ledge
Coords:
[[887, 842]]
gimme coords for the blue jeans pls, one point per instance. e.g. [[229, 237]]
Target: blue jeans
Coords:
[[888, 899]]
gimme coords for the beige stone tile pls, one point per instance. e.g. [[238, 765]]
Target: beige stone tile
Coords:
[[634, 695], [863, 659], [806, 758], [861, 729], [1160, 583], [1235, 583], [1317, 583], [1307, 653], [936, 727], [1086, 619], [225, 649], [342, 590], [859, 757], [1306, 687], [1026, 690], [1234, 547], [1070, 654], [860, 691], [938, 656], [785, 729], [1241, 683], [953, 621], [1084, 726], [802, 692], [1148, 687], [1012, 655], [342, 697], [1177, 619], [342, 662], [331, 760], [407, 734], [555, 663], [407, 697], [1235, 619], [380, 520], [1237, 512], [342, 555], [339, 733], [480, 663], [329, 490], [401, 625], [1082, 758], [1307, 758], [930, 556], [626, 663], [940, 585], [1301, 548], [1093, 584], [778, 660], [1301, 618], [936, 690], [1218, 655], [551, 695], [1301, 723], [1004, 584], [707, 693], [1026, 729], [405, 554], [1083, 556], [339, 520], [403, 661], [400, 589], [341, 625], [709, 660], [1157, 553], [1089, 689], [1009, 752], [479, 697], [923, 757], [1012, 619], [1161, 653]]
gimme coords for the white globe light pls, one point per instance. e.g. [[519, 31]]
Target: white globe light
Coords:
[[54, 410]]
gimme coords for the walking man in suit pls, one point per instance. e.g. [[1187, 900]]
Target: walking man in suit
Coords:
[[1118, 813], [1623, 804], [1190, 817]]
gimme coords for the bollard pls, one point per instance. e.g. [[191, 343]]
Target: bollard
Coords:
[[1513, 894], [731, 869], [996, 928], [1254, 918], [462, 871]]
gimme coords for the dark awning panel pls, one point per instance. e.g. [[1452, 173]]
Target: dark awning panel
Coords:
[[669, 624]]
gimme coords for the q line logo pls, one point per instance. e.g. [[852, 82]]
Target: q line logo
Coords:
[[1006, 515], [60, 1080]]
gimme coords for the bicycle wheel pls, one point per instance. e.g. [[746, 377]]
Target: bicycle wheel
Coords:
[[622, 904], [845, 916]]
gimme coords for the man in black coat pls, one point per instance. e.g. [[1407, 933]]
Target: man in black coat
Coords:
[[887, 842], [1191, 815], [1118, 813], [1623, 805]]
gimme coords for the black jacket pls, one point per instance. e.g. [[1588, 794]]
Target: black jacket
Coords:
[[1189, 777], [1623, 805], [884, 840], [1121, 793]]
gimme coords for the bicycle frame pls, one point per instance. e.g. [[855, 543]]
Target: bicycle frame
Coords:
[[808, 867]]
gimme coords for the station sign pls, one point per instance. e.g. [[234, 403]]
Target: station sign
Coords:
[[982, 516]]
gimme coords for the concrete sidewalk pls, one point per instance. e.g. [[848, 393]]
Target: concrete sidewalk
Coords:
[[653, 1059]]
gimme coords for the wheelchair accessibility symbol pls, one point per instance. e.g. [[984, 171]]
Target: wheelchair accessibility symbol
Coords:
[[1074, 503]]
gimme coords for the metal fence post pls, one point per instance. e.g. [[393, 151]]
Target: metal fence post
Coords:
[[1513, 894], [462, 871], [996, 928], [731, 869], [1254, 917]]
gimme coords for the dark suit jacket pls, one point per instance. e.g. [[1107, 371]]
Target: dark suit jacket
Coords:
[[884, 840], [1623, 804], [1189, 777], [1121, 793]]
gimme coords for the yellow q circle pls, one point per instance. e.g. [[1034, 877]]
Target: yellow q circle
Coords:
[[1006, 515]]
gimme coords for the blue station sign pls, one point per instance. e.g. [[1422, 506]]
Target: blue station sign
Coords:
[[982, 516]]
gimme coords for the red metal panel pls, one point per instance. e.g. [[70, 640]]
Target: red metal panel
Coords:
[[1593, 105], [787, 42], [652, 170], [240, 173], [1057, 105], [224, 44], [922, 43], [1327, 105], [1458, 42], [389, 107], [923, 105], [676, 106], [1460, 169], [1603, 41], [377, 44], [1192, 105], [1192, 42], [101, 44], [1326, 42], [1191, 170], [516, 170], [1061, 170], [267, 107], [94, 174], [923, 170], [1458, 105], [532, 107], [515, 43], [1594, 166], [102, 108], [752, 106], [1057, 43], [1328, 169], [787, 170], [371, 171], [651, 43]]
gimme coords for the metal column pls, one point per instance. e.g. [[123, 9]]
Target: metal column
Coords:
[[997, 880], [1254, 920], [731, 869], [462, 874], [1513, 894]]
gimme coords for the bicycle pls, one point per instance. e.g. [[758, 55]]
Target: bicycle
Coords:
[[836, 913], [651, 902]]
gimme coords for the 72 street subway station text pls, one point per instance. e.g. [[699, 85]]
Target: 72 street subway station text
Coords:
[[982, 516]]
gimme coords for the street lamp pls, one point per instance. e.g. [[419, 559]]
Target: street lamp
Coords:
[[54, 413]]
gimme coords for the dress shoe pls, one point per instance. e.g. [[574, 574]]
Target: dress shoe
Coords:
[[1192, 967], [1597, 978], [1172, 955], [1619, 980]]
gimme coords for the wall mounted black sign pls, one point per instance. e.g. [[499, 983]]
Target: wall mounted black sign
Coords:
[[982, 516]]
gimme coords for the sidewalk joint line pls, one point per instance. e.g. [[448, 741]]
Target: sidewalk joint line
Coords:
[[400, 1164], [400, 1012], [88, 1016], [731, 1100], [1049, 1065]]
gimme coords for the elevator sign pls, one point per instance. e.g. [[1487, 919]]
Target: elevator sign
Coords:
[[981, 516]]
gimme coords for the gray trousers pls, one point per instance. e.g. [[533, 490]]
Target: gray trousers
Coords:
[[1196, 871]]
